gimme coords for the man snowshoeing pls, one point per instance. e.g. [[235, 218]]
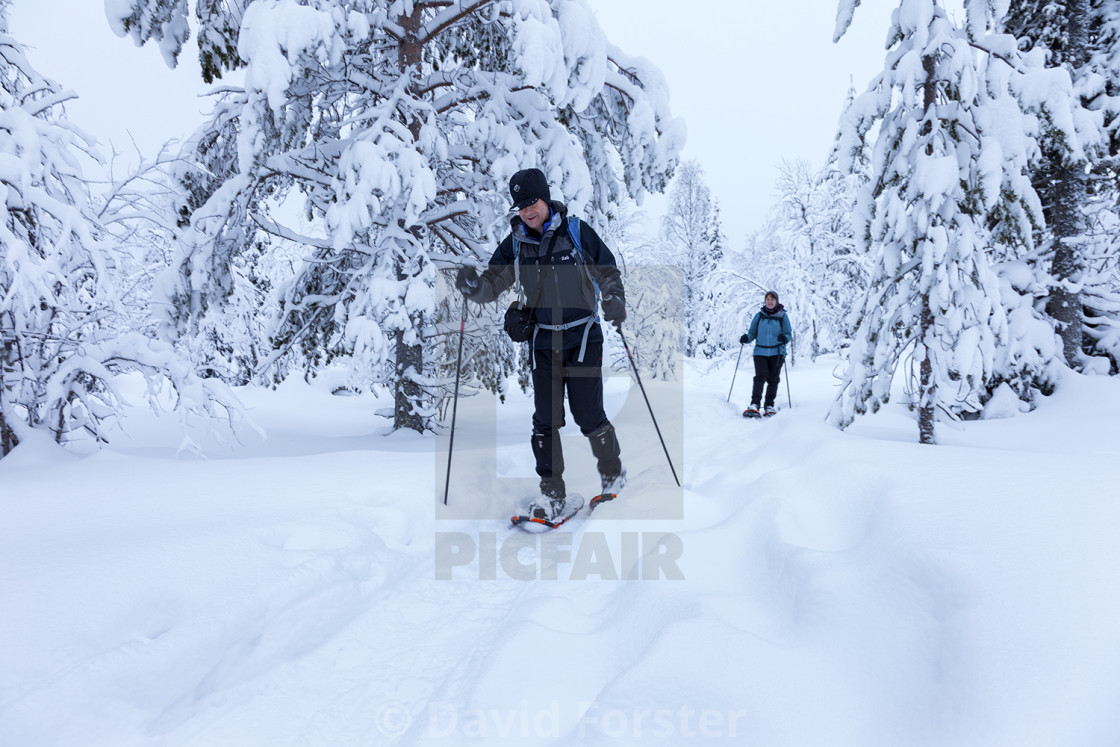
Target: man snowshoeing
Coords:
[[556, 261]]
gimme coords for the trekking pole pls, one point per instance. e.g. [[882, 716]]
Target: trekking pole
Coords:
[[648, 407], [737, 360], [786, 371], [455, 401]]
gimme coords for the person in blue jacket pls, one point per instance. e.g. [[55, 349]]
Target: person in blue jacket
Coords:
[[770, 331]]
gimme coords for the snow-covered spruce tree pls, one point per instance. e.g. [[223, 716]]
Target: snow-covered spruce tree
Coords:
[[1100, 294], [1081, 37], [1098, 85], [63, 332], [848, 264], [949, 163], [709, 290], [393, 126], [686, 229], [818, 271]]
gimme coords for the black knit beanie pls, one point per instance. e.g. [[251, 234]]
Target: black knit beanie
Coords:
[[528, 186]]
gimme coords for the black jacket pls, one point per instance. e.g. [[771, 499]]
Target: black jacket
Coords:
[[556, 282]]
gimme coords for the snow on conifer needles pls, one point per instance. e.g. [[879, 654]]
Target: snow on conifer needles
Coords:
[[956, 113]]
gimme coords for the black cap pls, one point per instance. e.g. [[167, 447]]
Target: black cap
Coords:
[[528, 186]]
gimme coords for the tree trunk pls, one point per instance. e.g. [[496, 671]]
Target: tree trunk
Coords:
[[1064, 304], [1068, 194], [927, 387], [410, 361], [410, 358], [8, 438]]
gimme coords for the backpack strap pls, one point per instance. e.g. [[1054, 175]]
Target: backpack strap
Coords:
[[517, 269], [573, 232]]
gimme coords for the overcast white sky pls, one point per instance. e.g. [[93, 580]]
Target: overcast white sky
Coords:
[[757, 81]]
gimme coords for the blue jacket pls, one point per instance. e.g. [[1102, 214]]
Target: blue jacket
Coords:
[[764, 331]]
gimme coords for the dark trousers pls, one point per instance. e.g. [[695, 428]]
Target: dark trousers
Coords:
[[556, 372], [767, 373]]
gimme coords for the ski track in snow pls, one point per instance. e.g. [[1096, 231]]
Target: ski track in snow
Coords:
[[849, 588]]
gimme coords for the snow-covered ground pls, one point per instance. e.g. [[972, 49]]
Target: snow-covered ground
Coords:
[[806, 587]]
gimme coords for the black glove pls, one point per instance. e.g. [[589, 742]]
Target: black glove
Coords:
[[466, 281], [782, 339], [744, 339], [614, 309]]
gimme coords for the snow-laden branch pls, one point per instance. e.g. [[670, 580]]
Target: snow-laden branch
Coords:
[[755, 283], [452, 14], [275, 229], [38, 106], [844, 14]]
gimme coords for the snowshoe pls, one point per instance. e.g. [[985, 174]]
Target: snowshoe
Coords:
[[769, 411], [602, 498], [752, 412], [544, 514]]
